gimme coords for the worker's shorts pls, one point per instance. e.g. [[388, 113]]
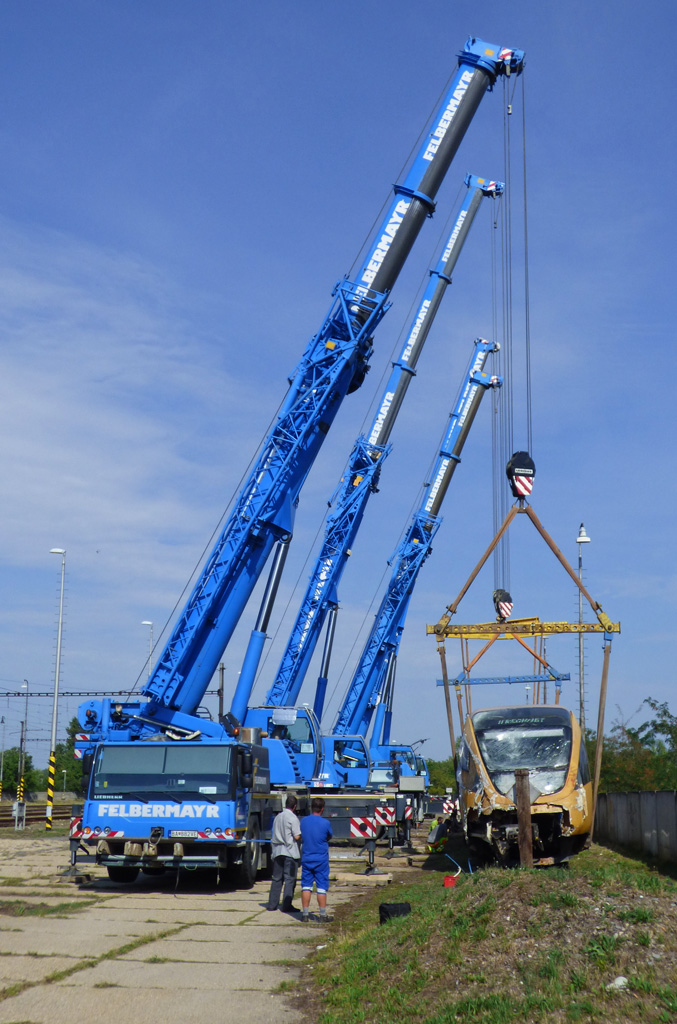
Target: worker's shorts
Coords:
[[318, 873]]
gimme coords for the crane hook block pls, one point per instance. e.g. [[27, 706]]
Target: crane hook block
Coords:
[[502, 604], [521, 472]]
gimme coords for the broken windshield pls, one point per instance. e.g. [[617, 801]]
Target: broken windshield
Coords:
[[538, 739]]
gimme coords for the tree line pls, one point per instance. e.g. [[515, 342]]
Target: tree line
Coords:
[[35, 779]]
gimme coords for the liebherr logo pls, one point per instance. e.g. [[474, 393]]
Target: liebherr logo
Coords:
[[448, 115], [385, 242], [454, 235], [380, 419], [416, 330]]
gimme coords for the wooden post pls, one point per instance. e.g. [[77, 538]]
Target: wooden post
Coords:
[[523, 802], [600, 731], [447, 696]]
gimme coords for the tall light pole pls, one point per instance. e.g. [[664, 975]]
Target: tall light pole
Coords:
[[580, 540], [2, 756], [51, 770], [20, 818], [146, 622]]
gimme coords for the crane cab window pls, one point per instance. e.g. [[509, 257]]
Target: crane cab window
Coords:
[[350, 754], [298, 734]]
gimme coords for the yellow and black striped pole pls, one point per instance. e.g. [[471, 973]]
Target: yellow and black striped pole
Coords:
[[22, 763], [51, 774]]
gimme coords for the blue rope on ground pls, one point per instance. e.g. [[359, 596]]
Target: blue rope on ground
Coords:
[[460, 869]]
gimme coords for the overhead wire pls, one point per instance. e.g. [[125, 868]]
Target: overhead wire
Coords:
[[503, 288], [527, 304]]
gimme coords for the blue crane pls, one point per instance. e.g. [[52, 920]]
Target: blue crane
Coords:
[[361, 477], [202, 771]]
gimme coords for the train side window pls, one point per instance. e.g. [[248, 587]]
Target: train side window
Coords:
[[583, 766], [463, 757]]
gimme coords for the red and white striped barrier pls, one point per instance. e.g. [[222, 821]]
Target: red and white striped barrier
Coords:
[[384, 815], [362, 828]]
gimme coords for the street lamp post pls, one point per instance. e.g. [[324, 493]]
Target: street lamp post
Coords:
[[20, 816], [2, 755], [580, 540], [146, 622], [51, 771]]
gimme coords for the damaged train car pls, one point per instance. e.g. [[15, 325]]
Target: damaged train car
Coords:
[[547, 741]]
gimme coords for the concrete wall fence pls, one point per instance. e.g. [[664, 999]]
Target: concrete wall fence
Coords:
[[645, 822]]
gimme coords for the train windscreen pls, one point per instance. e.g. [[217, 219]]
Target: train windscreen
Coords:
[[538, 739]]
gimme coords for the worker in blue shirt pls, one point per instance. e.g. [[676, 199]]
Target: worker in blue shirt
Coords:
[[316, 833]]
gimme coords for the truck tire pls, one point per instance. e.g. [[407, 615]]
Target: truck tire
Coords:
[[119, 873], [266, 865], [247, 870]]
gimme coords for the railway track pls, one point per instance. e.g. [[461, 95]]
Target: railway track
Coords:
[[35, 813]]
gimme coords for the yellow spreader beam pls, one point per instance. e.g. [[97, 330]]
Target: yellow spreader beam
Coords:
[[518, 627]]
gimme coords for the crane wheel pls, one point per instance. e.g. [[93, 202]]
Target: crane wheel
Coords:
[[119, 873]]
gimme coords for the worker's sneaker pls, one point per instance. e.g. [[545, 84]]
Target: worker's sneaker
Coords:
[[326, 918], [305, 918]]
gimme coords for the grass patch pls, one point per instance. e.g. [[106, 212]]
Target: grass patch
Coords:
[[502, 946], [20, 908]]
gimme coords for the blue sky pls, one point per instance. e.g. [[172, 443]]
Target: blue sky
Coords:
[[181, 184]]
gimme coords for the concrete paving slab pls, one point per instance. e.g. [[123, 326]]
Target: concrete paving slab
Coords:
[[84, 923], [173, 903], [222, 917], [205, 952], [223, 977], [68, 937], [234, 933], [230, 953], [81, 946], [61, 1004], [31, 968]]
